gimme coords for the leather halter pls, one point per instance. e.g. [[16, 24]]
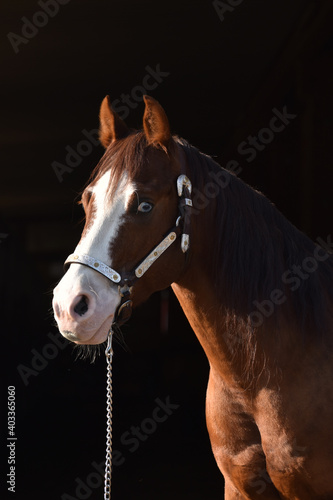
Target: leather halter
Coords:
[[126, 282]]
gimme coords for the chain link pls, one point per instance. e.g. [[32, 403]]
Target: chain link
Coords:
[[108, 458]]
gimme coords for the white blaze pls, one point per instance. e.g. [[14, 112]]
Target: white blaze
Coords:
[[107, 219], [102, 296]]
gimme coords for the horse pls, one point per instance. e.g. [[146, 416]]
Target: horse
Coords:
[[257, 292]]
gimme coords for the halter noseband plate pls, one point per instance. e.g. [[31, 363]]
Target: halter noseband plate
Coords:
[[95, 264]]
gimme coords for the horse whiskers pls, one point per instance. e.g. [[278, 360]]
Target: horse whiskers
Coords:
[[120, 339], [88, 352], [50, 313], [93, 291], [92, 352]]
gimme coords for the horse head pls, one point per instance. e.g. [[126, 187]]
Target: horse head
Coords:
[[134, 206]]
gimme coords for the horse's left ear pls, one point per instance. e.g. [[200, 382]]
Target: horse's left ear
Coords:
[[111, 125], [155, 123]]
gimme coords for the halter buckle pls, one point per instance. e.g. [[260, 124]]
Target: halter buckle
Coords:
[[183, 181], [184, 188]]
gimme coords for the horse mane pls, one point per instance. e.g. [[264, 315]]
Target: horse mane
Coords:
[[127, 155], [253, 246]]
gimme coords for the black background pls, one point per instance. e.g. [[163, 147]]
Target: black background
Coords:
[[225, 76]]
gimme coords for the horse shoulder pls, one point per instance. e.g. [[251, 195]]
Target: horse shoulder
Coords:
[[236, 442]]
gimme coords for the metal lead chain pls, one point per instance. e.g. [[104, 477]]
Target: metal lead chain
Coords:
[[108, 458]]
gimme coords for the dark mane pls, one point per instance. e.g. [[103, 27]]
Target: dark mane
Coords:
[[254, 246]]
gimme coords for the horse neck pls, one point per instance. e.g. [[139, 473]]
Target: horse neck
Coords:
[[224, 335], [243, 361], [209, 322]]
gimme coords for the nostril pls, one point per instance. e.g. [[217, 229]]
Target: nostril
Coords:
[[82, 306]]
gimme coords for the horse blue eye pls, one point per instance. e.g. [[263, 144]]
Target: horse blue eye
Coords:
[[145, 207]]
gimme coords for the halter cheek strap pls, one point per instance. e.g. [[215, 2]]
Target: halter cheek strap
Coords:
[[125, 284], [155, 254]]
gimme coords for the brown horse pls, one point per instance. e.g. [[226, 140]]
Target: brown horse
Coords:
[[257, 293]]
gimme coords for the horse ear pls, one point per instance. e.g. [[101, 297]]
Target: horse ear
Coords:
[[155, 123], [111, 126]]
